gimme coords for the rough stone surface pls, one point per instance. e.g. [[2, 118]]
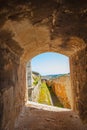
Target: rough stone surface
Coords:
[[61, 27], [12, 90], [43, 117], [79, 81], [28, 28], [62, 88]]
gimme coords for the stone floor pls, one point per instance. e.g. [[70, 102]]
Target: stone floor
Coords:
[[43, 117]]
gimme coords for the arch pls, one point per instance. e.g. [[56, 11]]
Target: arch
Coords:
[[32, 40], [36, 39], [56, 60], [25, 34]]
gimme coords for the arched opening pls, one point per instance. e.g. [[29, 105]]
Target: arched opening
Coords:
[[48, 80], [15, 65], [29, 28]]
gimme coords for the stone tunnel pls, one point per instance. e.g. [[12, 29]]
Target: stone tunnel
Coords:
[[30, 27]]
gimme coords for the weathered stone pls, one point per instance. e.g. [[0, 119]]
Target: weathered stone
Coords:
[[62, 88], [11, 96], [32, 27]]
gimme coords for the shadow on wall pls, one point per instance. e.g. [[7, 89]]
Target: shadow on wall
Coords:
[[10, 52], [60, 22]]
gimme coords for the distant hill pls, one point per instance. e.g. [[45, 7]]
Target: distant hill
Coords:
[[53, 76]]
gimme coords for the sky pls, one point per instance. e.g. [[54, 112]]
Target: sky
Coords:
[[50, 63]]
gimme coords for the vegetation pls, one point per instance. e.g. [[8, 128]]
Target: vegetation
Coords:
[[44, 95], [36, 80]]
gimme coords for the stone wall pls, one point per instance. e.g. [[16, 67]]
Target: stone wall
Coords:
[[61, 28], [78, 63], [35, 92], [62, 88], [28, 74], [12, 87]]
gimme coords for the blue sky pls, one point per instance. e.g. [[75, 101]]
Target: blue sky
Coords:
[[50, 63]]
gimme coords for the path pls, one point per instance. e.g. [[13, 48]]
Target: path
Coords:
[[43, 117]]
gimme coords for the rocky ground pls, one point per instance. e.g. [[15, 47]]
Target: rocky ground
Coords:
[[43, 117]]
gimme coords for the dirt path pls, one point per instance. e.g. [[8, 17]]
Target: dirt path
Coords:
[[43, 117]]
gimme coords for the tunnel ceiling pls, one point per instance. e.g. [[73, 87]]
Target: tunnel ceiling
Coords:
[[55, 24]]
